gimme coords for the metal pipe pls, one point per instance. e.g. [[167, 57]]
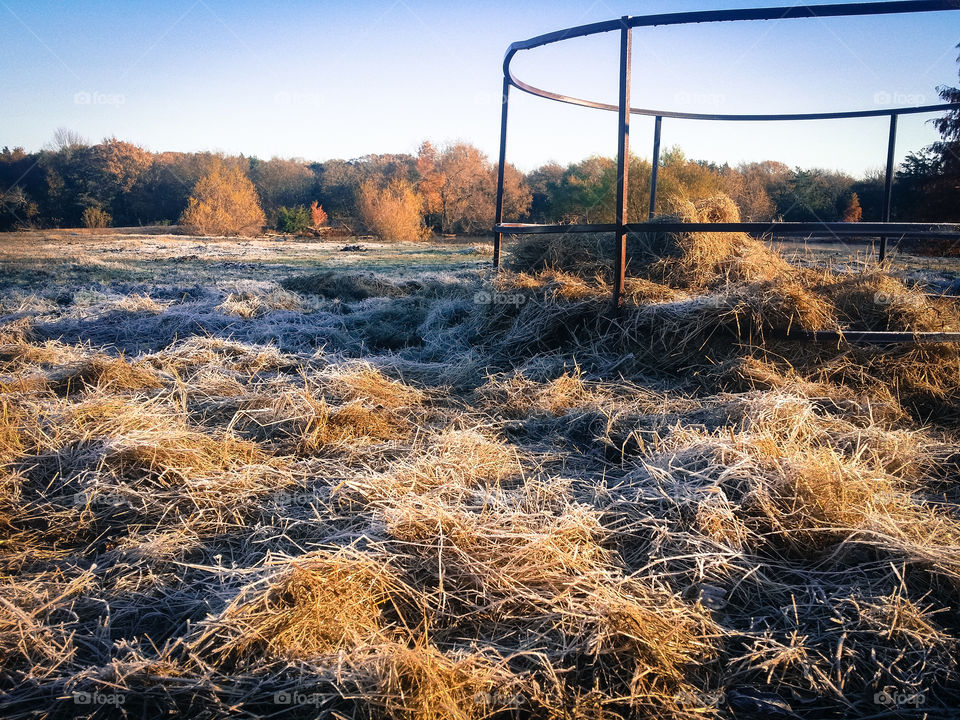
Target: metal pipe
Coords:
[[497, 235], [871, 337], [886, 7], [776, 229], [888, 182], [623, 161], [655, 169]]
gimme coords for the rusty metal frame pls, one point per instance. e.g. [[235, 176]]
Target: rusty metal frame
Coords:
[[624, 110]]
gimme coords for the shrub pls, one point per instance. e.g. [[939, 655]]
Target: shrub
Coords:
[[394, 212], [318, 217], [293, 220], [96, 217], [224, 202]]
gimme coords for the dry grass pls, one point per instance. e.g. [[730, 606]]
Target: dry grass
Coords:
[[251, 305], [521, 508], [317, 605], [349, 424]]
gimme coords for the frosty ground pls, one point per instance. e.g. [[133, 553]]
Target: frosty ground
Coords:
[[275, 477]]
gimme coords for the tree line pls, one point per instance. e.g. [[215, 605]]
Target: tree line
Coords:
[[448, 190]]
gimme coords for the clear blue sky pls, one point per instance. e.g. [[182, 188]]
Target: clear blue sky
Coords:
[[321, 80]]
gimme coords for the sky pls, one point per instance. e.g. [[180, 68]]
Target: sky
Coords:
[[320, 80]]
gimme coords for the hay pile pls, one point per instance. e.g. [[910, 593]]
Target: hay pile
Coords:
[[696, 301]]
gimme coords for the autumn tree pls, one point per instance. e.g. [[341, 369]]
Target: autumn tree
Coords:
[[682, 177], [748, 186], [115, 167], [318, 217], [853, 213], [469, 189], [393, 211], [516, 193], [430, 183], [467, 194], [224, 202]]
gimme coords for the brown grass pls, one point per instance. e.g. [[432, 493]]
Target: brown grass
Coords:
[[251, 305], [351, 424], [316, 605]]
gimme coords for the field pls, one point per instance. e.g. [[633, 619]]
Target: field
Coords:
[[278, 478]]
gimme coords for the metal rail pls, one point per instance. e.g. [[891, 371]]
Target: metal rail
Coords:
[[621, 227], [872, 337]]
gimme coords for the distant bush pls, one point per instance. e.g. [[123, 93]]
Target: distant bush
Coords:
[[394, 212], [318, 217], [224, 202], [293, 220], [96, 217]]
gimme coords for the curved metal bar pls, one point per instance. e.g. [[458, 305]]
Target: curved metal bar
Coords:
[[707, 16], [532, 90]]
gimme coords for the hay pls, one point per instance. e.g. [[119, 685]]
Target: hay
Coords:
[[318, 604], [877, 301], [688, 261], [349, 424], [250, 305]]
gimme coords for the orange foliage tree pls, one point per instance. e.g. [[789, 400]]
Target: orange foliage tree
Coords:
[[853, 213], [318, 217], [431, 181], [394, 212], [224, 202]]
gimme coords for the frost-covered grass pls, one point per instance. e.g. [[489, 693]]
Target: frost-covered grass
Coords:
[[273, 479]]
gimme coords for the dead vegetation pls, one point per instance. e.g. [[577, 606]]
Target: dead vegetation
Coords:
[[489, 500]]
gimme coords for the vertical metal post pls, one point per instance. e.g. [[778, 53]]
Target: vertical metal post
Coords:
[[497, 236], [623, 161], [655, 170], [888, 182]]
